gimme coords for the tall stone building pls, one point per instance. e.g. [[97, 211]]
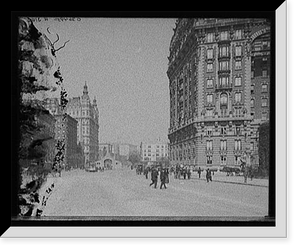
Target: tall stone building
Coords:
[[87, 115], [215, 74]]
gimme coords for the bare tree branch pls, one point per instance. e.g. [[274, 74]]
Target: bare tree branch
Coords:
[[61, 46], [56, 40]]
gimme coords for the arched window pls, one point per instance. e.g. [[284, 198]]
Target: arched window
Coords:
[[252, 102], [223, 99], [238, 97]]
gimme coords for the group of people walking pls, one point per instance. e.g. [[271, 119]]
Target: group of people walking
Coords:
[[158, 172], [163, 173]]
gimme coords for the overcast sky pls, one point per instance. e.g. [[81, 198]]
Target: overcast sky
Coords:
[[124, 62]]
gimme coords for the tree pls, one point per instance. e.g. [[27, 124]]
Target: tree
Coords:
[[134, 158], [164, 161], [38, 73]]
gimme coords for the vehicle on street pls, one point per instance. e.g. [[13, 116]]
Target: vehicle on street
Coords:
[[91, 168]]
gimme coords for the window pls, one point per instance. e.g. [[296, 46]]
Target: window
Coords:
[[209, 98], [223, 160], [210, 53], [209, 145], [224, 65], [238, 81], [264, 102], [224, 35], [238, 112], [208, 160], [252, 146], [264, 116], [237, 130], [209, 131], [209, 67], [224, 81], [209, 83], [238, 64], [264, 73], [224, 51], [223, 99], [223, 145], [238, 34], [237, 145], [238, 97], [264, 87], [238, 51], [210, 37], [209, 112], [223, 130], [237, 160], [252, 103]]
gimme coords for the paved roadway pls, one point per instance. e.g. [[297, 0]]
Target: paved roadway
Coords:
[[123, 193]]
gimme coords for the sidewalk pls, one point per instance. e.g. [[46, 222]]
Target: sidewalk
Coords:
[[221, 177]]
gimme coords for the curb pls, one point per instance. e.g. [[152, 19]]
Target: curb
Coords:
[[230, 182]]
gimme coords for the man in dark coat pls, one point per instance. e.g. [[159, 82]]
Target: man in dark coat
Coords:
[[208, 175], [163, 178], [154, 177], [199, 172]]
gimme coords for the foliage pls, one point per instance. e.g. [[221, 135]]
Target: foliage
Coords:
[[134, 158], [37, 73]]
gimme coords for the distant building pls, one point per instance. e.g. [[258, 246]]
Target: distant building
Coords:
[[87, 116], [153, 151], [66, 128], [127, 149], [121, 151]]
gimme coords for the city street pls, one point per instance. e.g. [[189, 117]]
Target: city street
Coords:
[[121, 192]]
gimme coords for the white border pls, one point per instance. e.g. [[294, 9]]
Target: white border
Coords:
[[280, 230]]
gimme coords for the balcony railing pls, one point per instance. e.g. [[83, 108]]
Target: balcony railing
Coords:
[[224, 87]]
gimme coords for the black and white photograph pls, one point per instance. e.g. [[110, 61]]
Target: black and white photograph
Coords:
[[145, 120]]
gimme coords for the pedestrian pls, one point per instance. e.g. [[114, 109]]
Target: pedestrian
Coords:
[[184, 172], [189, 172], [167, 176], [146, 172], [199, 172], [163, 175], [208, 175], [154, 176]]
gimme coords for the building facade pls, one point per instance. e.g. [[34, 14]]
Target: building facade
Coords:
[[66, 128], [153, 151], [86, 114], [212, 71]]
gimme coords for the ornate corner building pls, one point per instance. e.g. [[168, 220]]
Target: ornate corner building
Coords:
[[83, 122], [87, 115], [219, 89]]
